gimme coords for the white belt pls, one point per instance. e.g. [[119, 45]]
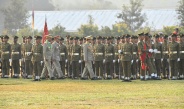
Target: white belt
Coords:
[[181, 51], [98, 53], [173, 52], [62, 53], [6, 52], [109, 54], [116, 53], [158, 52], [126, 53], [36, 53], [134, 52], [165, 52], [26, 53], [15, 52], [75, 53]]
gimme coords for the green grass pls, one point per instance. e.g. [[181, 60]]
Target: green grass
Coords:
[[78, 94]]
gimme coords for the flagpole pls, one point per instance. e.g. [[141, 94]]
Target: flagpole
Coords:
[[33, 21]]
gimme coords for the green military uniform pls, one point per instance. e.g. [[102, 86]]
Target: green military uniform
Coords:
[[181, 63], [99, 54], [134, 58], [82, 64], [5, 57], [22, 56], [76, 59], [126, 58], [37, 58], [109, 56], [15, 56], [27, 59], [69, 65], [165, 56], [158, 56], [116, 57], [63, 56], [173, 49]]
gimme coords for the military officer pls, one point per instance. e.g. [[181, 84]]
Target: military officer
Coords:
[[76, 58], [5, 56], [181, 62], [37, 58], [24, 38], [173, 49], [82, 64], [165, 56], [15, 57], [126, 58], [158, 56], [99, 52], [69, 65], [27, 55], [63, 55], [109, 58], [116, 57]]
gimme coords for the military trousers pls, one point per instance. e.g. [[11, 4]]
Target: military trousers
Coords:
[[16, 66], [116, 65], [181, 67], [88, 68], [47, 69], [37, 68], [158, 66], [99, 68], [173, 64], [165, 67], [150, 66], [127, 68], [56, 66], [28, 67], [109, 68], [62, 64], [5, 67], [134, 68], [75, 68]]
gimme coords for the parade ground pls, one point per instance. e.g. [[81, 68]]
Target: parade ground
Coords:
[[88, 94]]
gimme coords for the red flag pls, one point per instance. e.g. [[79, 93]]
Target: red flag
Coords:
[[45, 32]]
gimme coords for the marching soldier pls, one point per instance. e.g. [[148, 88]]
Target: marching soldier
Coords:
[[76, 58], [37, 58], [134, 57], [181, 62], [116, 57], [126, 58], [24, 75], [165, 56], [69, 66], [63, 55], [99, 52], [109, 58], [27, 54], [158, 56], [173, 49], [15, 56], [5, 56]]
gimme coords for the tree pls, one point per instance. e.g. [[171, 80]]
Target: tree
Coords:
[[180, 11], [105, 31], [119, 29], [132, 16], [15, 16], [58, 30]]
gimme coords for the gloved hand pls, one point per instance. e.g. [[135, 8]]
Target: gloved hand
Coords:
[[114, 61], [20, 60], [155, 50], [151, 50], [66, 60], [118, 60], [103, 60], [132, 61], [79, 61], [119, 51], [10, 60], [167, 60], [162, 59], [41, 62], [137, 60], [29, 53], [153, 59], [178, 59]]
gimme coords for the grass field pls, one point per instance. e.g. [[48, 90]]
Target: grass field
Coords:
[[78, 94]]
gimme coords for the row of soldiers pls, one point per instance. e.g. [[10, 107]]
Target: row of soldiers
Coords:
[[125, 57]]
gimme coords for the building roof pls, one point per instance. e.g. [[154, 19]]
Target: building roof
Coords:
[[72, 20]]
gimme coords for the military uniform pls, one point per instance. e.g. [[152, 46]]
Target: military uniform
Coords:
[[37, 59], [76, 59], [69, 65], [99, 53], [5, 56], [173, 49], [15, 56], [116, 57], [165, 56], [135, 59], [22, 64], [109, 56], [181, 62]]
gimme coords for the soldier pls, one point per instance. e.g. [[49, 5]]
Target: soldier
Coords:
[[69, 66], [88, 58], [27, 54], [134, 57], [15, 56], [109, 58], [165, 56], [24, 75], [82, 64], [63, 55], [116, 57], [0, 51], [56, 57], [37, 58], [181, 62], [99, 52], [126, 58], [76, 58], [5, 56], [47, 54], [158, 56], [173, 49]]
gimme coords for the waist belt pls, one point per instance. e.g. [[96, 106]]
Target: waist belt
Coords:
[[75, 54], [134, 52], [36, 53], [181, 51], [108, 54], [15, 52], [116, 53], [6, 52], [98, 53], [158, 52], [165, 52], [26, 53], [62, 53], [173, 52], [126, 53]]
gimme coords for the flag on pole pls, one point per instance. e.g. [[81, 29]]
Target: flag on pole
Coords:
[[45, 31], [33, 19]]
